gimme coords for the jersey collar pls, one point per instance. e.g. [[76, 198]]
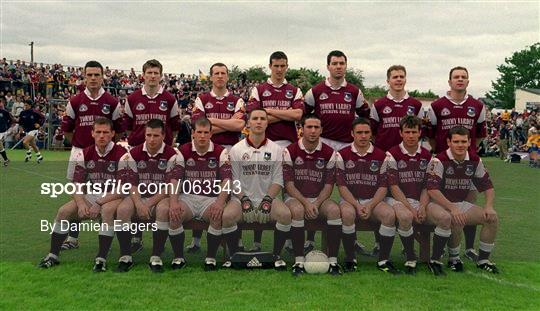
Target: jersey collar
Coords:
[[454, 102], [219, 97], [370, 149], [404, 151], [302, 147], [160, 151], [100, 93], [327, 83], [108, 149], [248, 141], [159, 92], [269, 81], [392, 98], [451, 156], [210, 148]]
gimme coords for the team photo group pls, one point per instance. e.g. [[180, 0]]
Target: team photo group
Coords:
[[283, 158]]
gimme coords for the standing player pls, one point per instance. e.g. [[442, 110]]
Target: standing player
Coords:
[[146, 164], [457, 108], [450, 177], [96, 164], [309, 175], [284, 104], [257, 163], [203, 168], [152, 101], [336, 102], [226, 113], [5, 123], [31, 122], [387, 112], [407, 164], [81, 112], [362, 182]]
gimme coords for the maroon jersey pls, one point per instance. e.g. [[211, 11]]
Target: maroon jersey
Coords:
[[95, 167], [444, 114], [81, 112], [336, 108], [362, 174], [210, 106], [193, 168], [282, 97], [139, 167], [385, 116], [140, 108], [310, 171], [408, 171], [454, 178]]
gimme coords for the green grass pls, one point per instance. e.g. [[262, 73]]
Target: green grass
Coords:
[[72, 285]]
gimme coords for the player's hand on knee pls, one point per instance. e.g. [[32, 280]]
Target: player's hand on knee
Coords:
[[143, 211], [248, 210], [216, 210], [490, 215], [458, 218], [264, 209], [175, 211], [94, 210], [84, 211], [421, 214], [312, 211]]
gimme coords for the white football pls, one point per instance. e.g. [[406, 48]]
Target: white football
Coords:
[[316, 262]]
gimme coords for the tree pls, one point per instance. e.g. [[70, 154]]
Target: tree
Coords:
[[303, 78], [256, 73], [419, 94], [521, 70], [235, 73], [355, 77], [375, 92]]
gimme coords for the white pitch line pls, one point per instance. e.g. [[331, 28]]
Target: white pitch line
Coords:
[[37, 174], [503, 282]]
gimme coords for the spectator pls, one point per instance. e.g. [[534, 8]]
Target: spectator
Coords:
[[504, 133]]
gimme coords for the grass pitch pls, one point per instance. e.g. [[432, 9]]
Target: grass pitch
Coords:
[[72, 285]]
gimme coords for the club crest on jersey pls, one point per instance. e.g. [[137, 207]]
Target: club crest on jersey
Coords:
[[288, 94], [140, 106], [350, 164], [347, 97], [319, 163], [162, 164], [212, 163], [190, 162], [91, 164], [267, 156], [450, 171], [163, 105], [387, 110], [141, 165], [374, 166], [83, 108], [402, 164], [469, 170], [208, 106], [423, 164], [230, 106], [245, 156], [266, 93], [410, 110], [112, 167], [299, 161], [471, 112], [106, 109], [445, 112], [323, 96]]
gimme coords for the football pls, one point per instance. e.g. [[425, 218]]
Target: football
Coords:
[[316, 262]]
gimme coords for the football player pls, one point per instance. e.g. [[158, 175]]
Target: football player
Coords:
[[5, 123], [31, 122], [256, 162], [309, 175], [450, 177]]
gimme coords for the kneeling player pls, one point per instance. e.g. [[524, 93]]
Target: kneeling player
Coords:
[[361, 178], [451, 175], [308, 172], [407, 164], [257, 163], [98, 165], [145, 164]]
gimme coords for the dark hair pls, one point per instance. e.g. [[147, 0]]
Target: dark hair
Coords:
[[218, 65], [201, 122], [278, 55], [308, 116], [93, 64], [335, 53], [152, 63], [256, 109], [410, 122], [155, 124], [103, 121], [458, 130], [457, 68], [395, 67], [360, 121]]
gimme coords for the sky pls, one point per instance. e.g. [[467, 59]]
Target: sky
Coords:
[[427, 37]]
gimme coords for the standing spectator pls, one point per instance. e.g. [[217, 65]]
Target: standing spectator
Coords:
[[503, 141]]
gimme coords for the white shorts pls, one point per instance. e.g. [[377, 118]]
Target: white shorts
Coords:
[[255, 202], [283, 143], [197, 203], [286, 198], [391, 201], [464, 206], [336, 145], [71, 163], [2, 137], [361, 201], [92, 198], [32, 133]]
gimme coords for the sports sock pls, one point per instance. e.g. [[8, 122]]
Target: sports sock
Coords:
[[484, 251], [177, 237], [469, 232], [280, 235], [230, 235], [333, 235], [348, 236], [310, 235], [74, 232], [159, 237], [4, 156], [453, 253], [440, 238], [124, 240], [213, 239], [387, 239], [57, 238], [105, 239], [407, 239], [297, 235]]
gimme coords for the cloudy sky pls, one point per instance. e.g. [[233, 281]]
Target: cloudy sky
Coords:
[[427, 37]]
